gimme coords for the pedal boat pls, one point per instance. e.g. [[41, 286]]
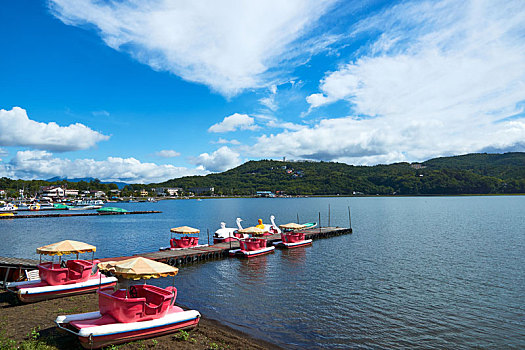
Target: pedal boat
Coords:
[[64, 278], [186, 237], [253, 246], [291, 238], [138, 312], [228, 234], [269, 230]]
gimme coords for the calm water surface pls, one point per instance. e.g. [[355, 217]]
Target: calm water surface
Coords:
[[432, 272]]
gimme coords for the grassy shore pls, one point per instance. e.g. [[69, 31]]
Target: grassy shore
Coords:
[[31, 326]]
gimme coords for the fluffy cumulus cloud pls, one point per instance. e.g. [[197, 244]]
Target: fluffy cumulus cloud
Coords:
[[18, 130], [441, 78], [43, 165], [222, 159], [234, 122], [227, 45], [167, 153]]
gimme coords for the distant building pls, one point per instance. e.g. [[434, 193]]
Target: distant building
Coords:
[[170, 191], [201, 190], [417, 166], [71, 193], [143, 192], [52, 191], [97, 194], [265, 194]]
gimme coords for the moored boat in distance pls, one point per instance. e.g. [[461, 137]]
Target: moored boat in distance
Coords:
[[66, 278], [111, 210], [138, 312]]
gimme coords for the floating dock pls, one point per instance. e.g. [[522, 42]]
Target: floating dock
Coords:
[[218, 251], [76, 214], [11, 269]]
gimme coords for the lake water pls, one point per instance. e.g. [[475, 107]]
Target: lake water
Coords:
[[432, 272]]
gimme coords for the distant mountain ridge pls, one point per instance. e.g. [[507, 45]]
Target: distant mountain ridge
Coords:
[[478, 173], [120, 185]]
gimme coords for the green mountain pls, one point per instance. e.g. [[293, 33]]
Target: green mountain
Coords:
[[479, 173]]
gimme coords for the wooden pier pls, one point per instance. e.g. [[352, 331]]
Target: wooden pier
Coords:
[[218, 251], [12, 269], [76, 214]]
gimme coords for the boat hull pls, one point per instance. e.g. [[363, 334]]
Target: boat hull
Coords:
[[34, 291], [106, 331], [251, 253], [282, 244]]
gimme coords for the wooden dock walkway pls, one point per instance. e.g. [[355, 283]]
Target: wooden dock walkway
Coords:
[[219, 251], [76, 214], [12, 268]]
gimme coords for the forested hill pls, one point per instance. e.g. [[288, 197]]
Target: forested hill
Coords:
[[468, 174]]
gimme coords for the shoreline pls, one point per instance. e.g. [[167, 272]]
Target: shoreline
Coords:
[[32, 326]]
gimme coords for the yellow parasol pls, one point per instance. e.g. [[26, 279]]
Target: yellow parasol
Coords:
[[138, 268], [185, 230], [292, 226], [253, 230], [66, 247]]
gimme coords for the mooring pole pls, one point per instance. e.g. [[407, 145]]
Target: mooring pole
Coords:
[[328, 214], [298, 218], [349, 218], [319, 221], [208, 230]]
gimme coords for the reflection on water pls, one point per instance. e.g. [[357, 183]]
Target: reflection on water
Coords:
[[426, 272]]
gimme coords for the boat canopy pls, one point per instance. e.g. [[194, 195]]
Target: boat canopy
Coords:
[[292, 226], [66, 247], [185, 230], [253, 230], [138, 268]]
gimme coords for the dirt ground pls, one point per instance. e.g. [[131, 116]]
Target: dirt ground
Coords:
[[32, 326]]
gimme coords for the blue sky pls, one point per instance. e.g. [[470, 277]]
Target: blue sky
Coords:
[[141, 91]]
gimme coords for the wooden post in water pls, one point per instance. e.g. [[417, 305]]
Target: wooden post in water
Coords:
[[328, 214], [208, 230], [319, 221], [298, 218], [349, 218]]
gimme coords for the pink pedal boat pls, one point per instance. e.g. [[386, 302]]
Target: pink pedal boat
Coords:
[[252, 247], [139, 312], [185, 240], [66, 278], [291, 238]]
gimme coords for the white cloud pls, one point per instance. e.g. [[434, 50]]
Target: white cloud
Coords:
[[284, 125], [101, 113], [222, 141], [167, 153], [222, 159], [269, 101], [18, 130], [442, 78], [43, 165], [234, 122], [228, 45]]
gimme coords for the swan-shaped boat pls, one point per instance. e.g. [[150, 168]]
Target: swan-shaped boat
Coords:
[[138, 312], [269, 229], [228, 234]]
